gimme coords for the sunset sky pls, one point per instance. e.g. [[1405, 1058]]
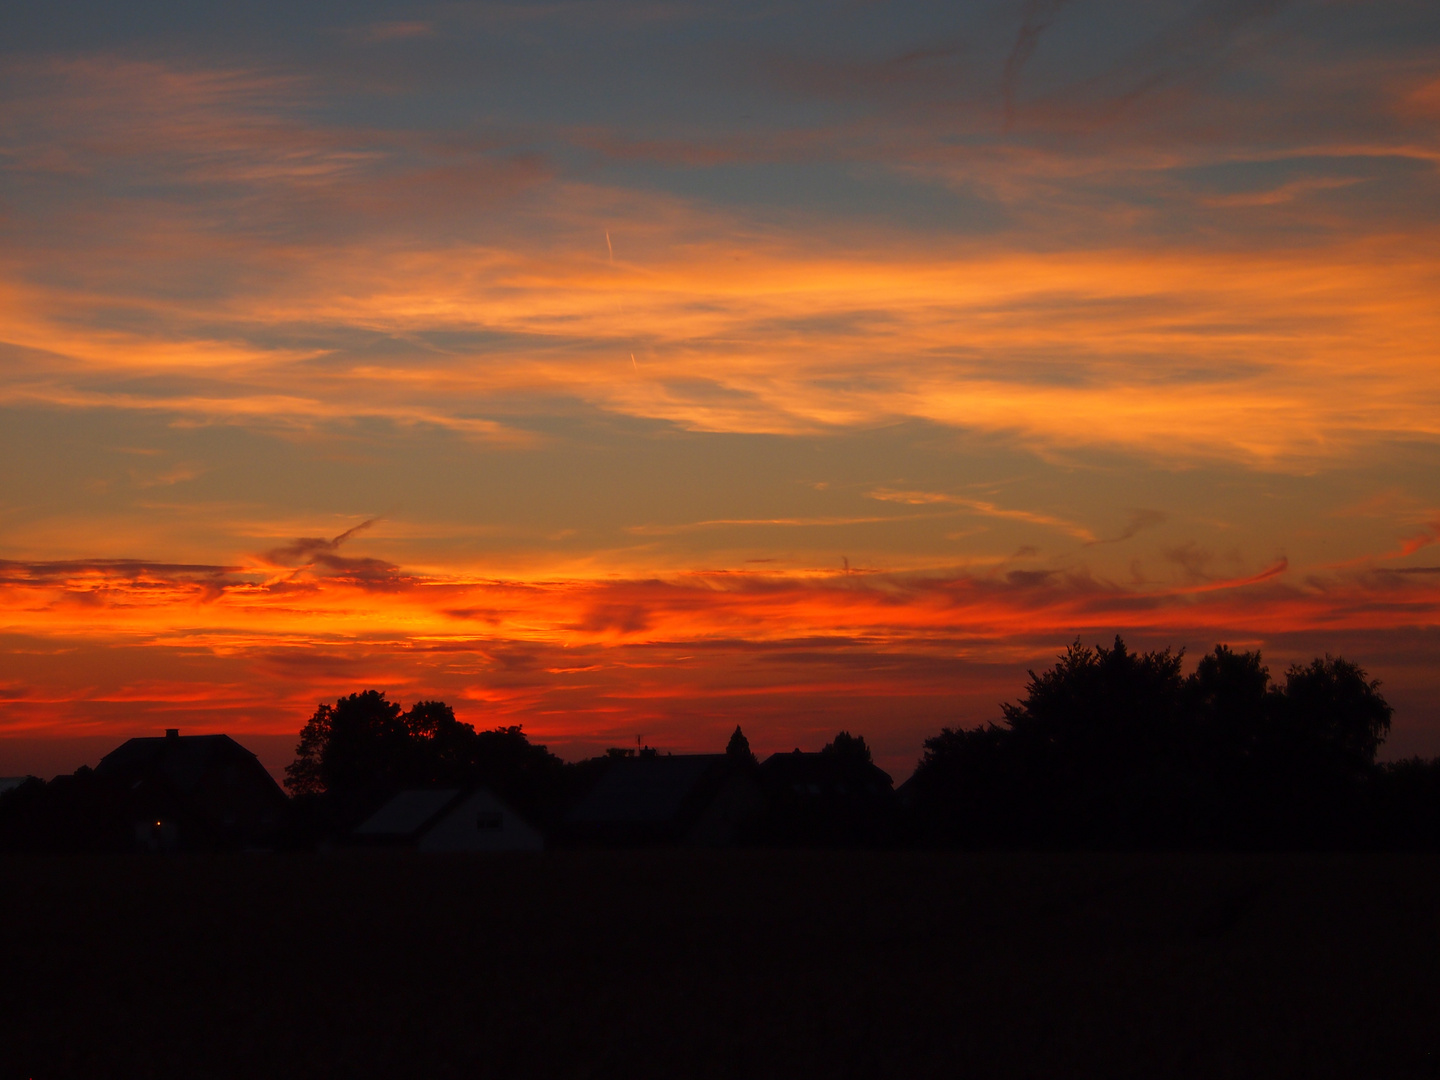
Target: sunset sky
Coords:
[[633, 369]]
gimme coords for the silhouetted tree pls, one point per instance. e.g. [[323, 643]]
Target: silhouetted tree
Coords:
[[443, 749], [1227, 697], [1331, 706], [1111, 747], [848, 748], [1095, 739], [1100, 702], [1228, 706], [356, 752], [1317, 753], [738, 749], [359, 751], [962, 789], [835, 798], [79, 812], [526, 774], [1404, 805]]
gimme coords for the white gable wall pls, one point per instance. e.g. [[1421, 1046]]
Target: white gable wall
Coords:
[[481, 822]]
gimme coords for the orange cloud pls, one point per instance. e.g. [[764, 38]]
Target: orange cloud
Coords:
[[578, 660], [986, 509], [238, 608], [1257, 350], [1421, 99], [197, 246], [1192, 350]]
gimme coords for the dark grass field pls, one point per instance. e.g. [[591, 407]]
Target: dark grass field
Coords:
[[721, 964]]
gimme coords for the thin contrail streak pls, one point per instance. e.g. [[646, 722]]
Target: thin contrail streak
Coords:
[[609, 248]]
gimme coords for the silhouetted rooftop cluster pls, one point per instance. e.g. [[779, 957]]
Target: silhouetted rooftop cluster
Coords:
[[1107, 749]]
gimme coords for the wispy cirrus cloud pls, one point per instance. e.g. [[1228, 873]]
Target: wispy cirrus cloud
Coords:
[[376, 33], [621, 304], [750, 605], [1038, 15], [741, 326], [985, 509], [306, 551]]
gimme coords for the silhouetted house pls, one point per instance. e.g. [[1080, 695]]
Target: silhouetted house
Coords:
[[449, 819], [695, 799], [190, 792], [826, 799], [905, 794]]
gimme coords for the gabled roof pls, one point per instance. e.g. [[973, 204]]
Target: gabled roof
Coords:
[[183, 760], [823, 771], [407, 813], [645, 790], [449, 819]]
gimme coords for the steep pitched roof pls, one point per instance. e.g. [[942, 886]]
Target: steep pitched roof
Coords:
[[646, 790], [407, 814], [824, 772], [183, 760], [449, 819]]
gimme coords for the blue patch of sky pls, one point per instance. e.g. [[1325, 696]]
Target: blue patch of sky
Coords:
[[855, 192]]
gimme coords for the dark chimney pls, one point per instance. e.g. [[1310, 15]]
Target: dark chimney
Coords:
[[172, 733]]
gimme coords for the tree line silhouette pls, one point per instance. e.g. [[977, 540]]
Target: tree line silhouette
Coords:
[[354, 754], [1111, 748], [1108, 748]]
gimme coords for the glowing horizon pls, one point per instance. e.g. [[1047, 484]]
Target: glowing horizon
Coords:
[[419, 348]]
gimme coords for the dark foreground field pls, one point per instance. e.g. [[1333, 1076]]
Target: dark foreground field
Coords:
[[721, 964]]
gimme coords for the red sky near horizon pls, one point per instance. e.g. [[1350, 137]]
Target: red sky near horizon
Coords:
[[636, 370]]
